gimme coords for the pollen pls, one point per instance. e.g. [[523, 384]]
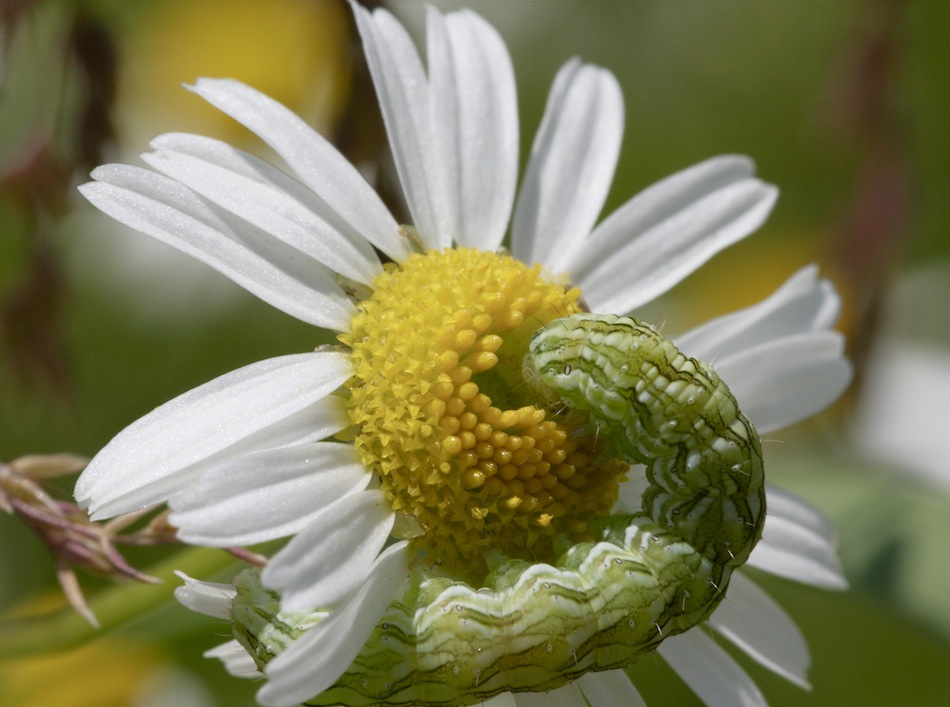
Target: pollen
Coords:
[[442, 416]]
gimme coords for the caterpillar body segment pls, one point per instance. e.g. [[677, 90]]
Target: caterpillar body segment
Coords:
[[672, 413]]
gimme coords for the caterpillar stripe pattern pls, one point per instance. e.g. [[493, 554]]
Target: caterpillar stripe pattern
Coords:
[[603, 604]]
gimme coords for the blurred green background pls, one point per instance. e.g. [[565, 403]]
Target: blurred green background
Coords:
[[845, 106]]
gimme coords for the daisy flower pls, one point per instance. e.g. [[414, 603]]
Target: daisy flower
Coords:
[[415, 447]]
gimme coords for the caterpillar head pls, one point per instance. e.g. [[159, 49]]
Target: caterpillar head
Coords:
[[536, 373], [548, 367]]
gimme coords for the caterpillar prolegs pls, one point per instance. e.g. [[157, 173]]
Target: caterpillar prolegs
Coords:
[[602, 604]]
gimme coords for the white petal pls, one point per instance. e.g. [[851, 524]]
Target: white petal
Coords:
[[798, 543], [156, 456], [170, 212], [608, 688], [403, 92], [318, 164], [804, 303], [332, 556], [752, 620], [786, 505], [317, 659], [571, 167], [208, 598], [784, 381], [902, 418], [632, 490], [667, 231], [505, 699], [568, 696], [313, 423], [474, 123], [237, 661], [265, 495], [322, 419], [709, 671], [263, 195]]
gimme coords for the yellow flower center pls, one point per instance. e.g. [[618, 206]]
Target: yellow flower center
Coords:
[[442, 414]]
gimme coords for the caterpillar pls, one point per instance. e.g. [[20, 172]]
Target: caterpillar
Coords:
[[659, 407], [604, 603]]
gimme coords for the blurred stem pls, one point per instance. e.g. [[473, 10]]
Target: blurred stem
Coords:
[[113, 607]]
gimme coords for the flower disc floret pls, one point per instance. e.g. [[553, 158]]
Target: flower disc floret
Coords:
[[443, 417]]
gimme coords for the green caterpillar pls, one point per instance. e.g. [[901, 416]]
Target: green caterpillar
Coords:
[[602, 604], [672, 413]]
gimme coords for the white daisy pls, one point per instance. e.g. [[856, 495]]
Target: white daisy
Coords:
[[426, 390]]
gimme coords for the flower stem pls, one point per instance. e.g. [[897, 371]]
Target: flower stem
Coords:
[[112, 606]]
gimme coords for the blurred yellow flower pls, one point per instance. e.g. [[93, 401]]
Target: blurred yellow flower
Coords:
[[294, 50], [111, 672]]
